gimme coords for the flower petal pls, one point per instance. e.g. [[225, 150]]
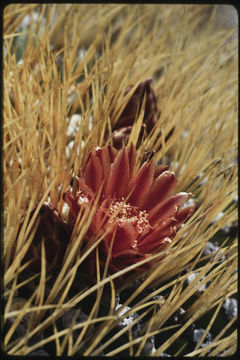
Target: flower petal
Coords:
[[112, 153], [93, 173], [121, 136], [167, 208], [127, 117], [164, 229], [184, 213], [158, 242], [72, 203], [84, 188], [160, 169], [163, 186], [124, 237], [141, 184], [127, 258], [119, 175], [102, 216], [131, 151], [163, 245], [103, 155]]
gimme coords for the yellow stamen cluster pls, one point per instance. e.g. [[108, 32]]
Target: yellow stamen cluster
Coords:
[[122, 212]]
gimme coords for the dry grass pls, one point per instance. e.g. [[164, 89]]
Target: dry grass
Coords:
[[194, 68]]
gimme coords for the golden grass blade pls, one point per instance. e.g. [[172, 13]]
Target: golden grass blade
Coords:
[[62, 60]]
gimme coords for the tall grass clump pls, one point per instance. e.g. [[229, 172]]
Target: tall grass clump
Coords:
[[69, 72]]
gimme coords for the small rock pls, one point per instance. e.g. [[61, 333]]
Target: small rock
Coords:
[[231, 230], [128, 320], [218, 217], [178, 315], [73, 315], [149, 346], [136, 328], [198, 333], [117, 300], [211, 249], [191, 277], [7, 292], [73, 126], [17, 304], [71, 318], [39, 352], [72, 96], [204, 180], [164, 355], [69, 149], [25, 23], [230, 306], [124, 295]]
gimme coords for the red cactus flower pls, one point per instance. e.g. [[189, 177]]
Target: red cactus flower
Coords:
[[138, 209], [54, 232], [124, 124]]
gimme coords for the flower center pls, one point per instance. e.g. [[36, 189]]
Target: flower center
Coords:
[[122, 212]]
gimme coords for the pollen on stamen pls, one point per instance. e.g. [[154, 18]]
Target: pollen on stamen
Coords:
[[122, 212]]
